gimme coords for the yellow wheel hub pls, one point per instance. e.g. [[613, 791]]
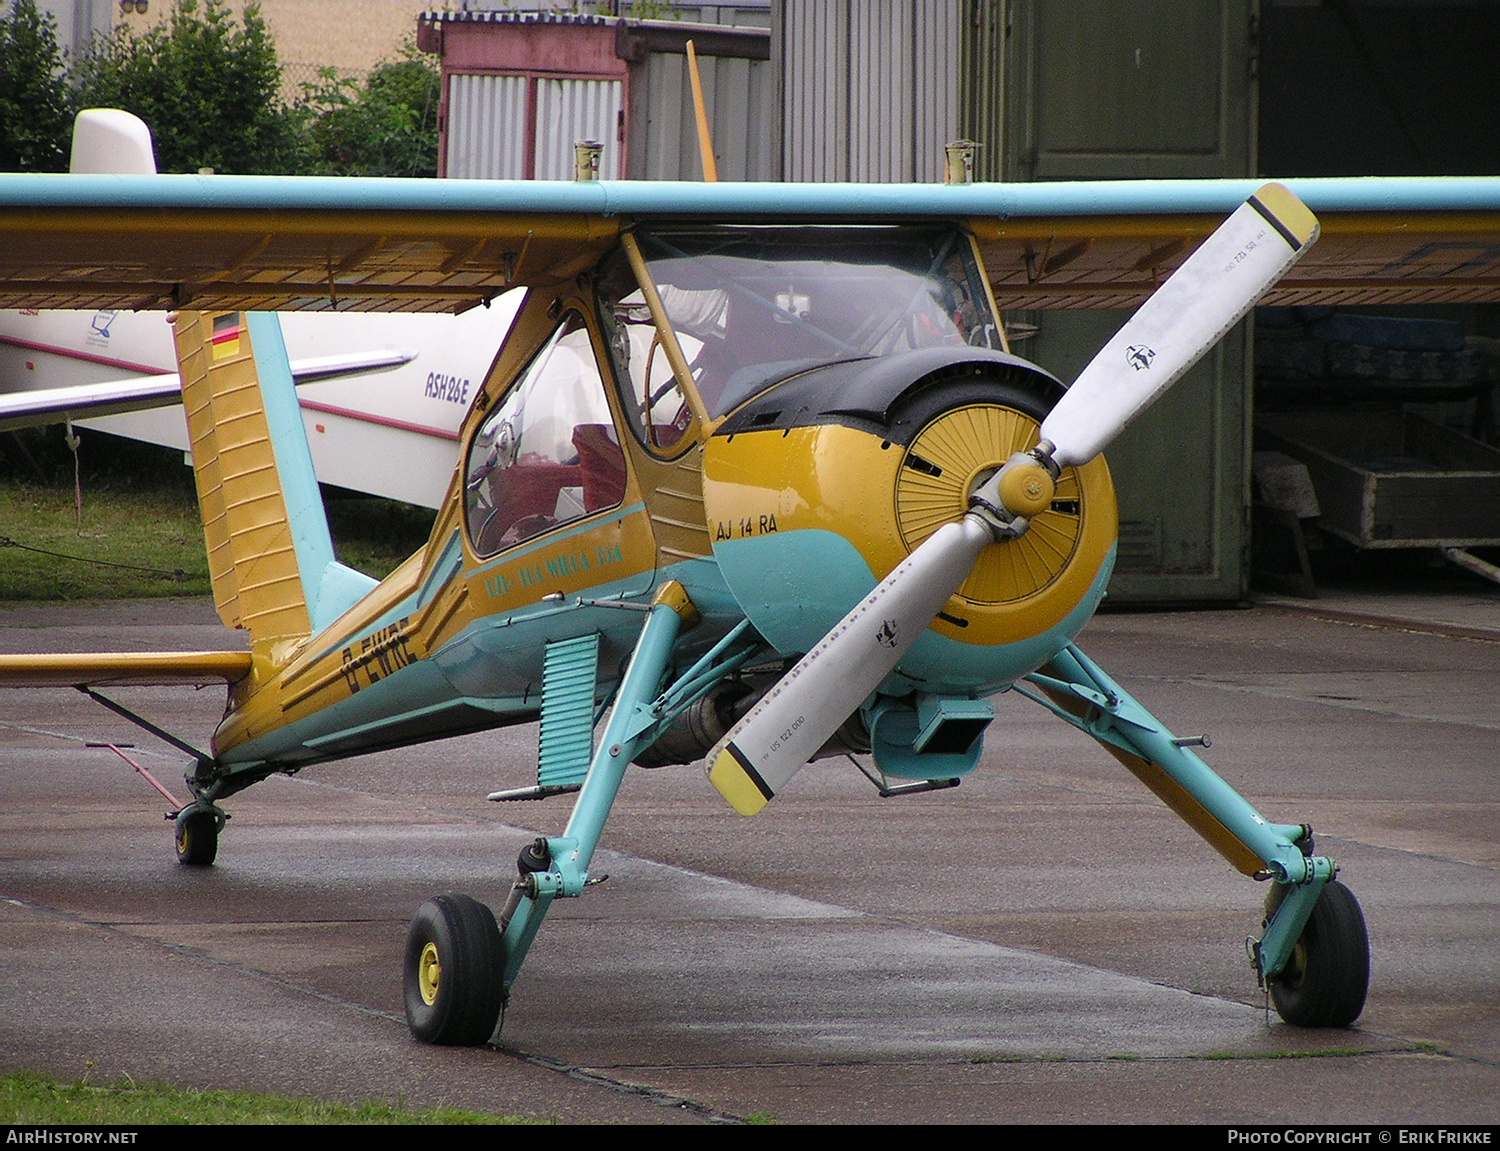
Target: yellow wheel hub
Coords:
[[1296, 966], [943, 465], [429, 973]]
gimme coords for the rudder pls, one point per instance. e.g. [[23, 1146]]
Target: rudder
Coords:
[[269, 550]]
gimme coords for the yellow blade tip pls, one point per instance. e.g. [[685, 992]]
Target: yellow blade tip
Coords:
[[735, 784], [1291, 213]]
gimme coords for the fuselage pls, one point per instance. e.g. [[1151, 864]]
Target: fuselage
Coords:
[[774, 419]]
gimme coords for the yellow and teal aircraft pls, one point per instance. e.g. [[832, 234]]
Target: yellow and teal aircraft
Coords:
[[755, 479]]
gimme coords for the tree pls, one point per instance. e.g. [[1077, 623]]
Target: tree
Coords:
[[385, 127], [208, 87], [36, 107]]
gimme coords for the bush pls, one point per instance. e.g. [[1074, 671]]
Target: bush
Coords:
[[385, 127], [36, 104], [208, 86]]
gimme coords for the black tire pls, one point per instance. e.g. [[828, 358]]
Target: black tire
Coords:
[[453, 972], [197, 836], [1325, 981]]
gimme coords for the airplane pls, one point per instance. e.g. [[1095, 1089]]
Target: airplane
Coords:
[[370, 386], [754, 481]]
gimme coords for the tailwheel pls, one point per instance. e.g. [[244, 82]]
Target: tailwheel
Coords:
[[1325, 981], [453, 972], [197, 837]]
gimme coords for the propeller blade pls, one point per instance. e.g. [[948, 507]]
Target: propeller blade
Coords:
[[785, 729], [1188, 315]]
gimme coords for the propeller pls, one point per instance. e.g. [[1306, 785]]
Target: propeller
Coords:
[[1207, 295]]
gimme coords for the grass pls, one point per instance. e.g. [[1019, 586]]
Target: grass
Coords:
[[156, 530], [31, 1098], [140, 535]]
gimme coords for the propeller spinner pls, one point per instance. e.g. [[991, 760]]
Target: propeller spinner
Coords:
[[1207, 295]]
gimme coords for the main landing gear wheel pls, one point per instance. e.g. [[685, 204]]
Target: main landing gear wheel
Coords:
[[197, 836], [453, 972], [1325, 981]]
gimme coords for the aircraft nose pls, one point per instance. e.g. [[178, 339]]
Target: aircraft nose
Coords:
[[809, 509]]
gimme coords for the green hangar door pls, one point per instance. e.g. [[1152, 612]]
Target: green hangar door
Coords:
[[1142, 89]]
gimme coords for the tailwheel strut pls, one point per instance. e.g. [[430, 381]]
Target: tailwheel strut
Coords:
[[197, 828]]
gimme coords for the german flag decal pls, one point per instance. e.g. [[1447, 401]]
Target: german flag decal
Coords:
[[226, 339]]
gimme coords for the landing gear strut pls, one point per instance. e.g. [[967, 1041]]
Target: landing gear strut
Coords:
[[1314, 956], [459, 962]]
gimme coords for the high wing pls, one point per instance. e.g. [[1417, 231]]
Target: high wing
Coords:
[[247, 242], [1384, 241], [526, 608]]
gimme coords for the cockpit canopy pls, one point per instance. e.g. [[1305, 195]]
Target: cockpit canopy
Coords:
[[754, 305]]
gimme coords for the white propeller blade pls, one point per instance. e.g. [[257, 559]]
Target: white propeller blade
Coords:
[[1206, 296], [777, 736], [1188, 315]]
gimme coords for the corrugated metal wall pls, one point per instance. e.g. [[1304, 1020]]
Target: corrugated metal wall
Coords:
[[568, 111], [486, 137], [984, 63], [870, 91], [741, 98], [532, 85], [489, 138]]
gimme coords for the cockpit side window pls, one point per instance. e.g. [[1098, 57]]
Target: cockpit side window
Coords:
[[548, 452], [658, 412]]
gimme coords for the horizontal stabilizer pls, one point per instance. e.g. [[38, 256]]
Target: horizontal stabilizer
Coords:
[[133, 667]]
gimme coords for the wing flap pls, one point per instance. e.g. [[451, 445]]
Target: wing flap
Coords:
[[134, 667]]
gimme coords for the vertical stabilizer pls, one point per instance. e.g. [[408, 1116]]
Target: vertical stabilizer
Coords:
[[269, 550]]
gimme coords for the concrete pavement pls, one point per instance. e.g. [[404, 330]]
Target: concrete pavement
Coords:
[[1044, 943]]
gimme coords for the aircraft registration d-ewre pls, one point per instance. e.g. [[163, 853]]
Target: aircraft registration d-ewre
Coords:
[[755, 480]]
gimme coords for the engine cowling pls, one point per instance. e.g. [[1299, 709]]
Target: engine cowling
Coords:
[[819, 487]]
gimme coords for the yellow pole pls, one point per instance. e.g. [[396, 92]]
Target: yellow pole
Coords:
[[705, 140]]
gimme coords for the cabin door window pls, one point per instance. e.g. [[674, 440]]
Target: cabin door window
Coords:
[[548, 453]]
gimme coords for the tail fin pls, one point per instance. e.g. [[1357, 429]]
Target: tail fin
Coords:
[[270, 553]]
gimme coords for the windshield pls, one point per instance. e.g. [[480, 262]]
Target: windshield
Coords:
[[758, 304]]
